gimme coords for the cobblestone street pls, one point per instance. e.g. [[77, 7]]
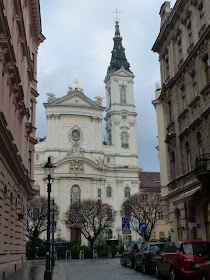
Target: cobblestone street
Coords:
[[101, 269]]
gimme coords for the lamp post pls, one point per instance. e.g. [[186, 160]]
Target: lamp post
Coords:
[[47, 274], [53, 231]]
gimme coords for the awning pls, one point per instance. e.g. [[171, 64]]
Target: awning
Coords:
[[186, 195]]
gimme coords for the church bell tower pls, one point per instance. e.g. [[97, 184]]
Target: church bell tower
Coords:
[[120, 109]]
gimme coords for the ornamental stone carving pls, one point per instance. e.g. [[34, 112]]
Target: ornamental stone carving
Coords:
[[51, 97], [180, 81], [203, 49], [100, 163], [191, 66]]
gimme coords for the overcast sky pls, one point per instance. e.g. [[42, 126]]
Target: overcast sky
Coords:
[[78, 45]]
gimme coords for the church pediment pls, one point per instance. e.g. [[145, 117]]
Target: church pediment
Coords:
[[77, 165], [122, 72], [77, 99]]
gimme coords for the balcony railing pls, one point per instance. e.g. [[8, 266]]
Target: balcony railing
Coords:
[[202, 163]]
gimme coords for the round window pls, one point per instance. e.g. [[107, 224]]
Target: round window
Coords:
[[123, 117], [75, 135]]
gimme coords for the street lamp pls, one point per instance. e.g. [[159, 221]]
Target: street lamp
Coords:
[[53, 230], [48, 167]]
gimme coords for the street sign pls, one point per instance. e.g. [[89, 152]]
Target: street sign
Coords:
[[55, 226], [126, 225], [143, 227], [191, 219]]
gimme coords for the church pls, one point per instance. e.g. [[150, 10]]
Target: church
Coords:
[[86, 166]]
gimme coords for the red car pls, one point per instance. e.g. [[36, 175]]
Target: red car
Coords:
[[181, 259], [205, 270]]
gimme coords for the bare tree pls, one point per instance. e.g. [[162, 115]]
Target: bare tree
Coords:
[[141, 208], [92, 217], [37, 209]]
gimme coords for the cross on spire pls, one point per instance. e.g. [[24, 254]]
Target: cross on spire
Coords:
[[116, 12], [76, 83]]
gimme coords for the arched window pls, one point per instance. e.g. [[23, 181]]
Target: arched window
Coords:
[[124, 139], [127, 192], [109, 234], [188, 156], [75, 194], [200, 150], [123, 96], [109, 192], [172, 163]]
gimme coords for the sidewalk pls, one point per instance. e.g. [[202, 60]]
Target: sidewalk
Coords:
[[34, 270]]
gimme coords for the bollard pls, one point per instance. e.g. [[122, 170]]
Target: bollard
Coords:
[[67, 254], [81, 254], [94, 254]]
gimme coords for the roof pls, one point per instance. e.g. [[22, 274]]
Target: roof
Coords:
[[149, 179]]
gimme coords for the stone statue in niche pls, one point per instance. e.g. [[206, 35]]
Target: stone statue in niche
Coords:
[[100, 163], [51, 97]]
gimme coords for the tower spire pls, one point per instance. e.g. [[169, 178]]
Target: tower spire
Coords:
[[118, 58]]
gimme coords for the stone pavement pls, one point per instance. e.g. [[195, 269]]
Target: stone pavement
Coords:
[[34, 270], [96, 269]]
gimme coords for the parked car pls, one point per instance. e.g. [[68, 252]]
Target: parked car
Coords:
[[145, 258], [181, 259], [130, 249], [205, 270]]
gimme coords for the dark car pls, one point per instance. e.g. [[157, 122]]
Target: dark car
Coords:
[[130, 249], [145, 258], [182, 259], [205, 270]]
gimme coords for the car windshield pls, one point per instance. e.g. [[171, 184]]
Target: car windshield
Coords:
[[155, 248], [139, 244], [196, 248]]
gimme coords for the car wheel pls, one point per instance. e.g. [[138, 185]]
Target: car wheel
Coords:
[[203, 277], [157, 272], [122, 262], [130, 264], [144, 270], [172, 274], [136, 267]]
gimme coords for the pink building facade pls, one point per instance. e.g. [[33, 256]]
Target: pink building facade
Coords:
[[20, 36]]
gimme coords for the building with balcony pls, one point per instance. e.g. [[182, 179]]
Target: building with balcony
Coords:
[[20, 36], [183, 45]]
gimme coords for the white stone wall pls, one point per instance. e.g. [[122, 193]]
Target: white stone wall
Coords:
[[76, 110]]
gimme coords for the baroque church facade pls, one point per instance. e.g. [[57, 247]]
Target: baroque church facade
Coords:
[[86, 167]]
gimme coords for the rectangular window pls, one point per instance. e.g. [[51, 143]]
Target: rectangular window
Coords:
[[206, 65], [160, 215], [32, 62], [180, 50], [194, 84], [31, 111], [29, 163], [169, 113], [202, 16], [190, 34], [184, 102], [166, 69], [161, 234]]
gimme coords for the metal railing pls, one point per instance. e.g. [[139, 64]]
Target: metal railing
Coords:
[[202, 163]]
